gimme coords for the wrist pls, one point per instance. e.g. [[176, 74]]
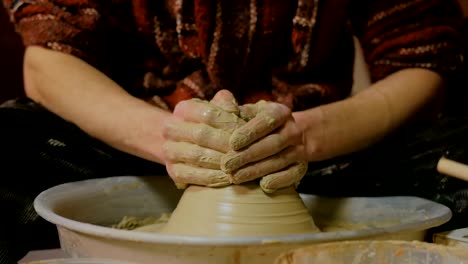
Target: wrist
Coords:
[[345, 126], [312, 124], [140, 131]]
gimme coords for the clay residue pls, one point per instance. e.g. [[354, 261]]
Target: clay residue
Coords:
[[154, 224], [135, 223], [237, 210], [336, 226]]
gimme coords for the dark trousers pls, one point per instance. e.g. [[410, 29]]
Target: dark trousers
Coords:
[[39, 150]]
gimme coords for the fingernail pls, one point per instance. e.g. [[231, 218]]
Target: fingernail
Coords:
[[219, 179], [238, 141], [231, 162], [180, 186], [266, 189], [239, 177], [219, 184], [265, 184]]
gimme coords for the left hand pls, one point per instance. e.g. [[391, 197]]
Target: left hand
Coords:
[[270, 146], [197, 137]]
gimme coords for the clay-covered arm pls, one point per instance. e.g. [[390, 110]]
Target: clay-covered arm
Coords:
[[366, 118], [79, 93]]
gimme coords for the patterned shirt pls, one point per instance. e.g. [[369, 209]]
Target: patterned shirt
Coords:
[[299, 52]]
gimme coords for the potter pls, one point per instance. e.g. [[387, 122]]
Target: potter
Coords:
[[105, 77]]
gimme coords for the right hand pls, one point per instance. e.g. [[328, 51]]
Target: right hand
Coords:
[[269, 146], [196, 138]]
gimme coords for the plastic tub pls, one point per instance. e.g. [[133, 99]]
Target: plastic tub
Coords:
[[456, 238], [375, 252]]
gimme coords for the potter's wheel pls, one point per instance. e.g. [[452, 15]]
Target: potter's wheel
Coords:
[[83, 211]]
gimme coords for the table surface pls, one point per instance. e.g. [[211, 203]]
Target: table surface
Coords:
[[37, 255]]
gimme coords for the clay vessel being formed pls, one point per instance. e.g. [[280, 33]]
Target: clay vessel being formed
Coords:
[[239, 210]]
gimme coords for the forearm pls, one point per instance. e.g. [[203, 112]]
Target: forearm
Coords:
[[86, 97], [355, 123]]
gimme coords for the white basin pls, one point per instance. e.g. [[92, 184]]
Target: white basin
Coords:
[[83, 210]]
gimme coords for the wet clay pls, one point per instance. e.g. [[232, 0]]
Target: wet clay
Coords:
[[239, 210], [135, 223]]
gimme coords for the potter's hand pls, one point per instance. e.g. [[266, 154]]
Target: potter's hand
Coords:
[[270, 146], [197, 137]]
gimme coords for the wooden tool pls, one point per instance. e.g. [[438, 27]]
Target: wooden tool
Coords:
[[453, 168]]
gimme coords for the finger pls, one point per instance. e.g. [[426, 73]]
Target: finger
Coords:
[[288, 135], [181, 186], [184, 175], [225, 100], [291, 176], [198, 111], [183, 152], [267, 166], [269, 117], [248, 111], [199, 134]]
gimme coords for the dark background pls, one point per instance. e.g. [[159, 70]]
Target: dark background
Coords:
[[11, 59]]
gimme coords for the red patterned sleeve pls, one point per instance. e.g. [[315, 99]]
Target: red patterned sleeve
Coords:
[[398, 34], [84, 28]]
